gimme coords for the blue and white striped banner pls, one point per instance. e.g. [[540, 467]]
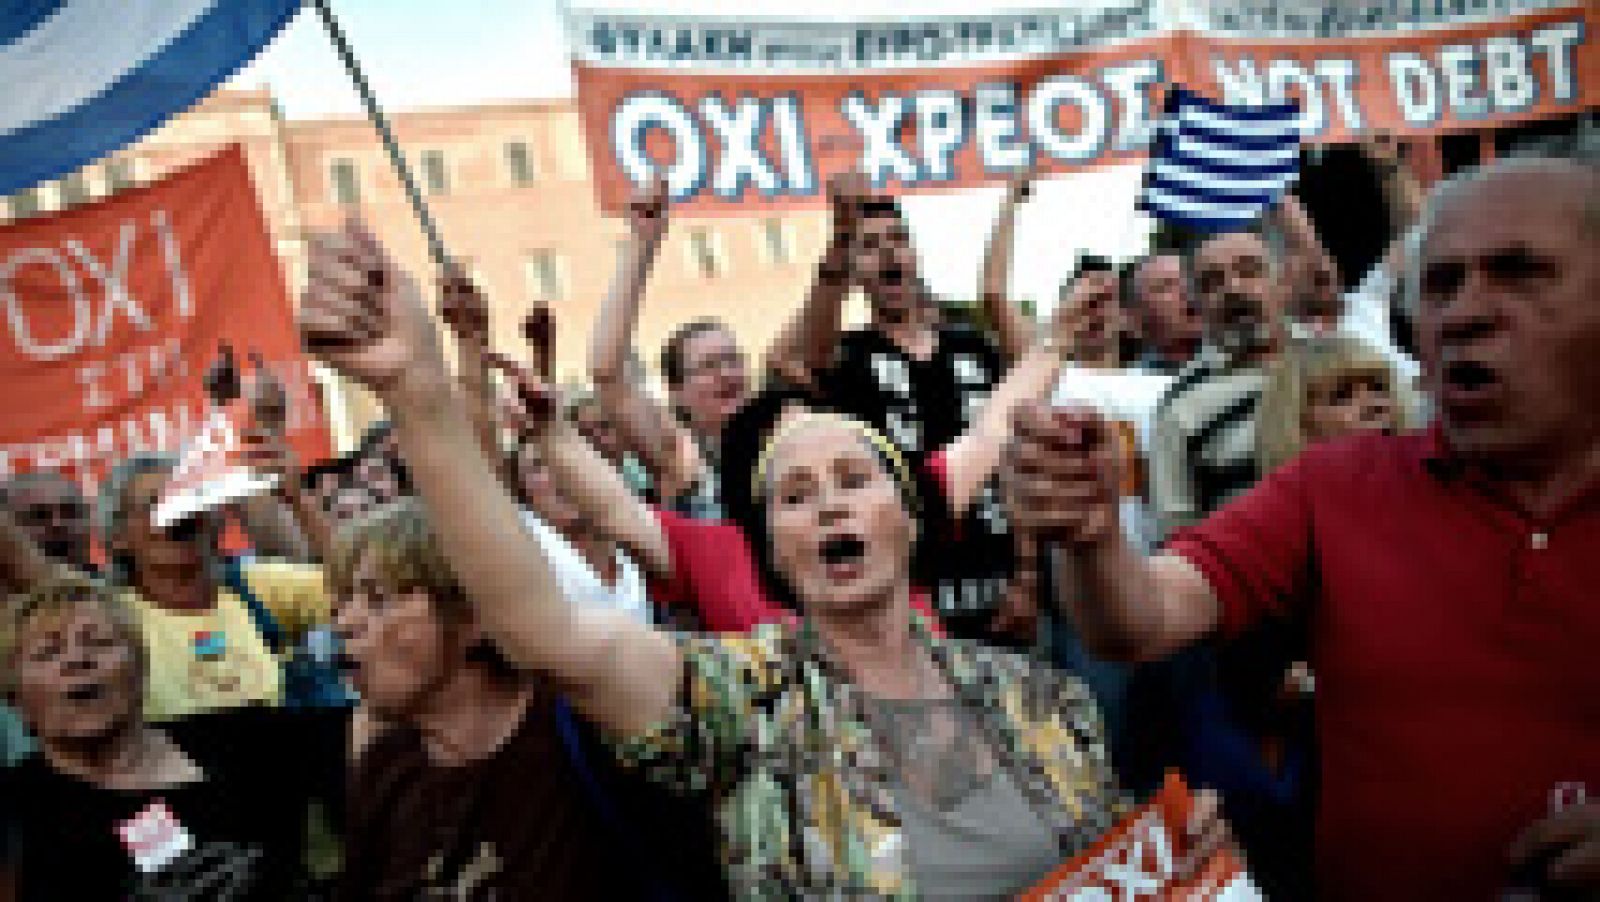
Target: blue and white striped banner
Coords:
[[81, 78], [1215, 167]]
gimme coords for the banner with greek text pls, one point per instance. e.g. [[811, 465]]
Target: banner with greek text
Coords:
[[113, 312], [742, 113]]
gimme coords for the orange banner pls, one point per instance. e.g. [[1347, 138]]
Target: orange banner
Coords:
[[113, 312], [1138, 859], [741, 116]]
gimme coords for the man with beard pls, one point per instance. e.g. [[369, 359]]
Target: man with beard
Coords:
[[1203, 449], [917, 378], [1448, 573], [1195, 709]]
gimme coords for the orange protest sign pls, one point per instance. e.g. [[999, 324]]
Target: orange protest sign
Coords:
[[114, 310], [1137, 859], [741, 113]]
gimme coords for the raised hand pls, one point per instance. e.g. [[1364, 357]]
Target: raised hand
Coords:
[[268, 399], [365, 318], [647, 211], [1384, 150], [1020, 186], [463, 307], [534, 406], [539, 331], [1063, 475], [848, 195], [222, 377]]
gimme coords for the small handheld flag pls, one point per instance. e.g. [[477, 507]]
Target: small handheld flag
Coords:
[[1215, 167]]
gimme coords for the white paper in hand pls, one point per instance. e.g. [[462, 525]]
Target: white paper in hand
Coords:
[[209, 475]]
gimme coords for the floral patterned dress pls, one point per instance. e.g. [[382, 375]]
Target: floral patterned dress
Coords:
[[775, 738]]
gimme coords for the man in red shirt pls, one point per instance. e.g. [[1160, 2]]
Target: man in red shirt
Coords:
[[1450, 574]]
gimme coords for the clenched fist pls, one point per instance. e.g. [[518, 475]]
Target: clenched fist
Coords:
[[463, 307], [1063, 475], [647, 211], [365, 318]]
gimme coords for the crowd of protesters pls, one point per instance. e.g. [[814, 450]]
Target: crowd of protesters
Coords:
[[915, 609]]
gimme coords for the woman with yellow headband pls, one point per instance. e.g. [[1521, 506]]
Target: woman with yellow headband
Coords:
[[852, 755]]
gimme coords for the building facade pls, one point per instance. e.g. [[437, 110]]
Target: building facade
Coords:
[[509, 185]]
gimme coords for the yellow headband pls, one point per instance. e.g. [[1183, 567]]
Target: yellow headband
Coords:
[[881, 444]]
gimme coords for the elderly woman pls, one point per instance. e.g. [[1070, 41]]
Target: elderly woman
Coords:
[[237, 783], [1324, 387], [852, 754]]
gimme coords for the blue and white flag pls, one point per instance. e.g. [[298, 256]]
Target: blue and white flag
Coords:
[[81, 78], [1215, 167]]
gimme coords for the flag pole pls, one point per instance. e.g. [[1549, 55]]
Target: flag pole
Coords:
[[408, 181]]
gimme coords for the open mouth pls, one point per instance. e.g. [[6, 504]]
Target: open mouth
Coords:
[[1469, 376], [88, 692], [843, 556], [185, 530], [1469, 384]]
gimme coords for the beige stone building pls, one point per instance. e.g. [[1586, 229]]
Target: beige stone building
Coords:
[[509, 185]]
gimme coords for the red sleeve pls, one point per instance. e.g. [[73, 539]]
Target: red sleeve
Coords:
[[934, 466], [1256, 552], [672, 590]]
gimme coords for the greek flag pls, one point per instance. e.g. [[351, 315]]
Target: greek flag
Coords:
[[81, 78], [1215, 167]]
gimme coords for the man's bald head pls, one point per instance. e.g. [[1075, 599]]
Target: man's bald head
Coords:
[[1503, 288]]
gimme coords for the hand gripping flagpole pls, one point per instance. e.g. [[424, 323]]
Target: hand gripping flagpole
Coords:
[[419, 205]]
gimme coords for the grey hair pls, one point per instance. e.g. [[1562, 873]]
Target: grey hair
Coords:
[[1581, 150], [111, 508], [15, 482]]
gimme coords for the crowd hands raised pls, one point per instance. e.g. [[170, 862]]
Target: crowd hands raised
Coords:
[[921, 611]]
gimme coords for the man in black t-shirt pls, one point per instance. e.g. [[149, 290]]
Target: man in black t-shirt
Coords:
[[910, 372]]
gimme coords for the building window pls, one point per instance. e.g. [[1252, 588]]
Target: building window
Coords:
[[543, 270], [519, 162], [119, 175], [704, 254], [346, 182], [775, 239], [435, 175], [74, 189], [25, 202]]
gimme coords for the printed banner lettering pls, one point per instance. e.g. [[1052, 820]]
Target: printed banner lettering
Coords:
[[742, 114], [113, 312]]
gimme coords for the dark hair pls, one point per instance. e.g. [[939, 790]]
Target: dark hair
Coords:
[[343, 469], [672, 362], [744, 438], [1095, 263]]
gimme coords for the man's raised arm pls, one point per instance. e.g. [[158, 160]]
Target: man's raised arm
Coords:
[[1064, 475], [806, 344], [1011, 327]]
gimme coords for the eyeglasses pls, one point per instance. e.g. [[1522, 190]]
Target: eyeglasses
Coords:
[[732, 359], [44, 514]]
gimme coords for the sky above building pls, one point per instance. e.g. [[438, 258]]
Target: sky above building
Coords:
[[426, 53]]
